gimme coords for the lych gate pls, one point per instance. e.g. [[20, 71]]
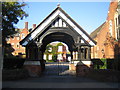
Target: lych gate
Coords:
[[58, 26]]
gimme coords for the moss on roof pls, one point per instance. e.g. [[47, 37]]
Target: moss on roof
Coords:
[[94, 33]]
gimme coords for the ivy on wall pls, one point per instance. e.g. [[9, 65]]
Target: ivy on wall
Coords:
[[52, 50]]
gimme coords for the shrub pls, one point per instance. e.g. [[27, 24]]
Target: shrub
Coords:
[[104, 61], [13, 63]]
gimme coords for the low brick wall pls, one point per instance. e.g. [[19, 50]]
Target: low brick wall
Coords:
[[81, 67], [34, 68], [82, 70]]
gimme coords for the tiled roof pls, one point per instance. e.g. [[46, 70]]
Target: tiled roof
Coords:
[[94, 33]]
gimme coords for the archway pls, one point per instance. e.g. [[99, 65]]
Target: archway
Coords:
[[57, 51], [57, 57], [59, 66], [59, 26], [58, 36]]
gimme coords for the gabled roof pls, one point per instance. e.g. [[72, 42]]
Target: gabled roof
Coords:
[[57, 12], [94, 33]]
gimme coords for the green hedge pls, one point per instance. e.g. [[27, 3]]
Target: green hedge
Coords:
[[103, 63]]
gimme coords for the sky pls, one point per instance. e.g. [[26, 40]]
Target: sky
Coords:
[[89, 15]]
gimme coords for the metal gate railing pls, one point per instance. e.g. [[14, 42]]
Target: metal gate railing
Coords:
[[57, 68]]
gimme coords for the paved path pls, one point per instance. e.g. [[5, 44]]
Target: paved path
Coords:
[[52, 79], [58, 69]]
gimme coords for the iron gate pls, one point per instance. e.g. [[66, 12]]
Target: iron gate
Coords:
[[57, 68]]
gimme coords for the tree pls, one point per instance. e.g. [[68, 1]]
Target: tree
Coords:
[[48, 49], [12, 12], [115, 45], [60, 44]]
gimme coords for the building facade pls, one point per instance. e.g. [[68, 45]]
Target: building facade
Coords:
[[14, 41], [57, 50], [107, 35]]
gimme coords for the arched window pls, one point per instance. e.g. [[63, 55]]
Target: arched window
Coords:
[[118, 29], [110, 27]]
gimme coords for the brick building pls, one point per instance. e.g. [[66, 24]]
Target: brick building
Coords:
[[14, 41], [107, 35], [61, 51]]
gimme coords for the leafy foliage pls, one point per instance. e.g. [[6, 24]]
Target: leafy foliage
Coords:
[[59, 44], [104, 61], [54, 51], [48, 48], [12, 12], [115, 45], [54, 57]]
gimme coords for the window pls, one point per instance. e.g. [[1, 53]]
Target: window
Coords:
[[59, 48], [118, 29], [119, 19], [17, 44], [82, 52], [50, 57], [118, 33], [12, 44], [59, 57], [116, 20], [116, 24], [86, 53], [17, 38], [23, 36], [110, 27]]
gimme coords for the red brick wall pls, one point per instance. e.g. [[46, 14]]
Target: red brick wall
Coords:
[[101, 38], [15, 40]]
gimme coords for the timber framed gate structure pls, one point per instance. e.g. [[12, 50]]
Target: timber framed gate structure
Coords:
[[58, 26]]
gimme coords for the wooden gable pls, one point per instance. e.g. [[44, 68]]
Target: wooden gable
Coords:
[[58, 18]]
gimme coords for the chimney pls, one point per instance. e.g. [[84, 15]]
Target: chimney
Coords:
[[26, 25], [34, 26]]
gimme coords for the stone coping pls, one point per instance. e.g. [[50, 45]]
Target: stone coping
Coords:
[[32, 63]]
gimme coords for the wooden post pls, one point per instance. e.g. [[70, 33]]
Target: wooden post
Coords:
[[89, 53], [79, 53]]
